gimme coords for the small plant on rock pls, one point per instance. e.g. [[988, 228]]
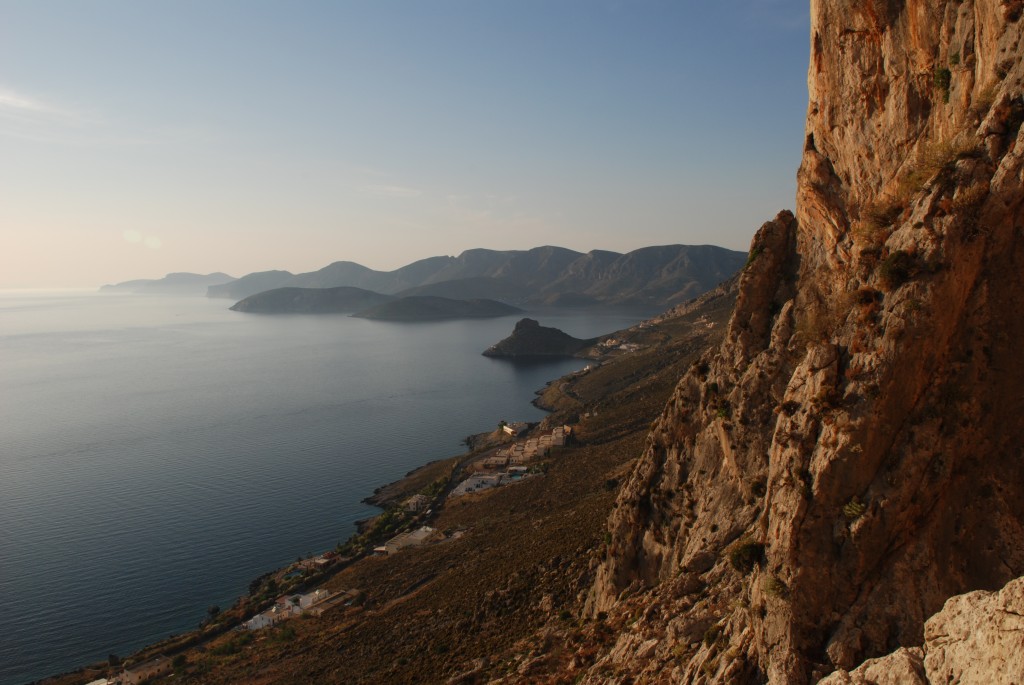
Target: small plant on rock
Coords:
[[897, 269], [854, 509], [745, 555], [943, 79]]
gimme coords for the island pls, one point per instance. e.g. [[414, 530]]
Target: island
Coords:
[[310, 301], [432, 308], [530, 340]]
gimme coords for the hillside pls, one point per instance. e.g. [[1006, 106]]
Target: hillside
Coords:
[[519, 567], [310, 301], [426, 308], [848, 459], [829, 485], [651, 278]]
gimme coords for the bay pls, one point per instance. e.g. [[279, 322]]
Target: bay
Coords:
[[157, 454]]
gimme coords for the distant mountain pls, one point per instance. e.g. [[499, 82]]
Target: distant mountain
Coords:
[[544, 276], [311, 300], [426, 308], [531, 340], [481, 287], [250, 285], [171, 284]]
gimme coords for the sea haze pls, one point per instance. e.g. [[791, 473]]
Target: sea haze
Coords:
[[157, 454]]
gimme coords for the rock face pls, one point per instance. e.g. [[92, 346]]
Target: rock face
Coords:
[[850, 457], [531, 340], [975, 639]]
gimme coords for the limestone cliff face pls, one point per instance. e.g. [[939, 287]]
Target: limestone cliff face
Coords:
[[851, 456]]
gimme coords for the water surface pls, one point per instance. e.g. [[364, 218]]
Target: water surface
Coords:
[[156, 454]]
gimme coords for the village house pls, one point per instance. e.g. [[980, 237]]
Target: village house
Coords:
[[498, 460], [267, 619], [410, 539], [476, 484], [416, 503], [140, 673], [516, 429]]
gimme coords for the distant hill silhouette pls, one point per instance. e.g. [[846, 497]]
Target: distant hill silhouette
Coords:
[[543, 276], [310, 300], [181, 283], [427, 308]]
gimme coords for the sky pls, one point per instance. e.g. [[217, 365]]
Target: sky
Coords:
[[142, 138]]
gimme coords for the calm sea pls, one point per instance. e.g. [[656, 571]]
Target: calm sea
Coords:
[[158, 454]]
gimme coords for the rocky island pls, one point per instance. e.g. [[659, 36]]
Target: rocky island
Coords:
[[530, 340], [310, 301]]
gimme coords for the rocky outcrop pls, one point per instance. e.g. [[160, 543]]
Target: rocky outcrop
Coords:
[[850, 457], [530, 340], [975, 640]]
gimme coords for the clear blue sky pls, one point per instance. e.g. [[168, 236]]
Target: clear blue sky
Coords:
[[138, 138]]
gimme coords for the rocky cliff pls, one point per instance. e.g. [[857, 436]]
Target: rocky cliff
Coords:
[[850, 456]]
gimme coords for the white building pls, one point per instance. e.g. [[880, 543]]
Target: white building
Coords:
[[410, 539]]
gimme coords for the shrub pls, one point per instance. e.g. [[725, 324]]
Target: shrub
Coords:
[[882, 212], [854, 509], [773, 587], [896, 269], [712, 635], [745, 555], [790, 407], [943, 78]]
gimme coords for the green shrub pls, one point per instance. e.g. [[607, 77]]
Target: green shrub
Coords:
[[773, 587], [943, 79], [712, 635], [896, 269], [854, 509], [745, 555]]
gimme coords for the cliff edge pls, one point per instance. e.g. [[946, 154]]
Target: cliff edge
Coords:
[[849, 457]]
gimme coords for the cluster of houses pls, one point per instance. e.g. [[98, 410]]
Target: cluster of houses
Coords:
[[523, 452], [291, 606], [504, 465], [508, 464]]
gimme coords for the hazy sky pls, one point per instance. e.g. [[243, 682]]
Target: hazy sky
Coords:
[[139, 138]]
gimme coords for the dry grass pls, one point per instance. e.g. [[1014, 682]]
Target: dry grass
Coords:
[[932, 159]]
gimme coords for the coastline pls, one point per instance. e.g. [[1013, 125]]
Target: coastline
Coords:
[[384, 497], [259, 597]]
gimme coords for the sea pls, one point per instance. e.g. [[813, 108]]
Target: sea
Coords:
[[159, 453]]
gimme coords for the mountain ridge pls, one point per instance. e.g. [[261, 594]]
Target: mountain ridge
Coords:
[[654, 276]]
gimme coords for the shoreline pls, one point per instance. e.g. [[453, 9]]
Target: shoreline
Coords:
[[232, 618], [245, 606]]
